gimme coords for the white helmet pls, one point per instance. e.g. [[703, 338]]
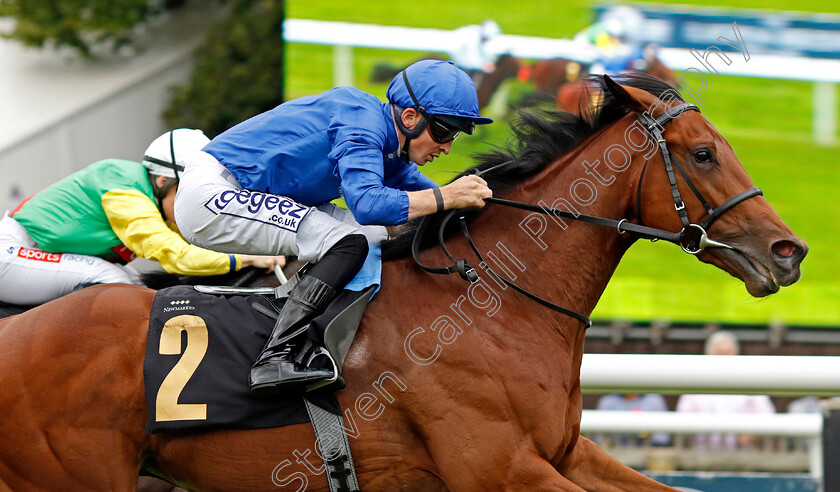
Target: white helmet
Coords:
[[490, 29], [623, 22], [615, 27], [168, 153]]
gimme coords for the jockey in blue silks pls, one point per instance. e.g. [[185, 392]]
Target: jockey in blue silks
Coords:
[[266, 183]]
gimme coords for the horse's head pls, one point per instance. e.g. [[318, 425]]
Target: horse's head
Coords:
[[506, 66], [746, 237]]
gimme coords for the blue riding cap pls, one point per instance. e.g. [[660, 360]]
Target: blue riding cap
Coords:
[[440, 87]]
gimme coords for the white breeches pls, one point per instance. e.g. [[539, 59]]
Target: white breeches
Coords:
[[214, 212], [31, 276]]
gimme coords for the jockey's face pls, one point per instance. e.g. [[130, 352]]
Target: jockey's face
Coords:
[[423, 149], [167, 203]]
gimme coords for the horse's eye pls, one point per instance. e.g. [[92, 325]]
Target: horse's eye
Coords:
[[703, 156]]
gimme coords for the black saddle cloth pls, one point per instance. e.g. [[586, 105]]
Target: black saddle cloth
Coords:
[[203, 382]]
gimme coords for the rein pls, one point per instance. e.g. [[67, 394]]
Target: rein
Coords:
[[693, 237]]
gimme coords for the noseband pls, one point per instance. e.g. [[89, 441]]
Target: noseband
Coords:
[[693, 237]]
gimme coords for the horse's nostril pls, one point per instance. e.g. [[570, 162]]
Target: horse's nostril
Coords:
[[785, 249]]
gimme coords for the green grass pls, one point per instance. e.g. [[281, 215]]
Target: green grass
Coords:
[[767, 122]]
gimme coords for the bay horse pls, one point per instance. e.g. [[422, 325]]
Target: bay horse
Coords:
[[451, 386], [574, 96], [561, 81], [487, 83]]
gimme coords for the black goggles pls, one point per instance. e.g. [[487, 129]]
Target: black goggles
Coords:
[[441, 131]]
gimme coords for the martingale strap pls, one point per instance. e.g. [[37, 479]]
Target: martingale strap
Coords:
[[467, 272], [568, 312], [461, 267]]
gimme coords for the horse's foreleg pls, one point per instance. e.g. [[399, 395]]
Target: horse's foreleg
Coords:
[[595, 470]]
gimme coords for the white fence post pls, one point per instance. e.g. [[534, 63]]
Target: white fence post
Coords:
[[825, 112], [815, 456], [342, 65]]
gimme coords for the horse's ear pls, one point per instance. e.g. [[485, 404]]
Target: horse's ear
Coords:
[[621, 95]]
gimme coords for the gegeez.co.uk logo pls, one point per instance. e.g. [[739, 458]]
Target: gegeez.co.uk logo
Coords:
[[262, 207]]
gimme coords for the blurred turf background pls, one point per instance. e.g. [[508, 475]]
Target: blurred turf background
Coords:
[[767, 122]]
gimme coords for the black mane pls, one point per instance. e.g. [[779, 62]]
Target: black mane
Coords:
[[540, 137]]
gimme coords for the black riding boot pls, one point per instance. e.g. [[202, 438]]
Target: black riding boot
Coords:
[[276, 370]]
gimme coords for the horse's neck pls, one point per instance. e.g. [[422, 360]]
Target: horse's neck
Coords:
[[570, 266], [419, 315]]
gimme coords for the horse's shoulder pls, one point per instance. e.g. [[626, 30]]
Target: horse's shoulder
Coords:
[[110, 300], [111, 291]]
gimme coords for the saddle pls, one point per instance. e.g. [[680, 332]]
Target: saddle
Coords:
[[201, 343], [340, 329]]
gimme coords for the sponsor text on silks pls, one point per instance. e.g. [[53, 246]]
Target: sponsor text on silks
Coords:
[[261, 207]]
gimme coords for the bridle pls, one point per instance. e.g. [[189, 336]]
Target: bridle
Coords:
[[692, 238]]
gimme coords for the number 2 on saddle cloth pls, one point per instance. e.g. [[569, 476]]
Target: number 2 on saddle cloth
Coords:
[[201, 344]]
